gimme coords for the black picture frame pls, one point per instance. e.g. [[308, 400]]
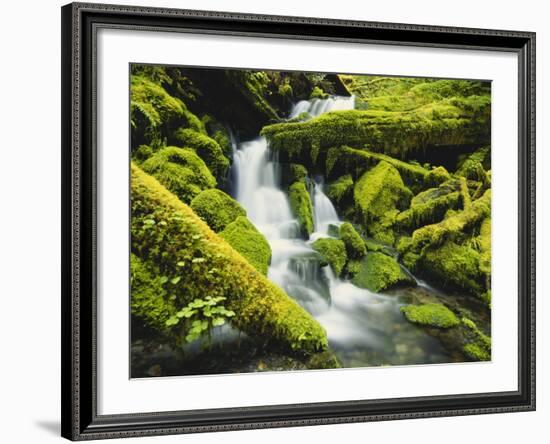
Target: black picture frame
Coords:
[[80, 420]]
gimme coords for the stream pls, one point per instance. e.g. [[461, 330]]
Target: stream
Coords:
[[363, 328]]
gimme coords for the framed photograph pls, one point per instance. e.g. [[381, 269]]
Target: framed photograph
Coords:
[[280, 221]]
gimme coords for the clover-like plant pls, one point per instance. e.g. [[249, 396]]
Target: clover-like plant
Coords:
[[200, 316]]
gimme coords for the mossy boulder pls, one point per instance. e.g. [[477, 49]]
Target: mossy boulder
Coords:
[[181, 171], [453, 265], [208, 149], [379, 195], [355, 245], [216, 208], [379, 272], [302, 207], [243, 236], [194, 262], [430, 315], [477, 346], [333, 251], [436, 176], [155, 114]]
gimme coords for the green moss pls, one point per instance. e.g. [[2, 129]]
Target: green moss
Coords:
[[378, 195], [455, 266], [333, 252], [453, 226], [341, 190], [457, 121], [355, 245], [216, 208], [181, 171], [379, 272], [317, 93], [436, 176], [432, 315], [247, 240], [142, 153], [345, 159], [464, 193], [149, 298], [478, 345], [302, 207], [154, 114], [429, 212], [484, 241], [167, 235], [218, 132], [298, 173], [207, 148]]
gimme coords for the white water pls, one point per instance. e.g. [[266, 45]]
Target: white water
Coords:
[[354, 318]]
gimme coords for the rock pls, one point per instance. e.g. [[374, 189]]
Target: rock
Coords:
[[302, 207], [333, 252], [216, 208], [432, 315], [379, 272]]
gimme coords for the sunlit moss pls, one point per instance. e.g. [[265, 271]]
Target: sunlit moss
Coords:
[[216, 208], [429, 212], [302, 207], [379, 272], [194, 262], [478, 345], [379, 195], [355, 245], [243, 236], [207, 149], [333, 252], [432, 315], [181, 171]]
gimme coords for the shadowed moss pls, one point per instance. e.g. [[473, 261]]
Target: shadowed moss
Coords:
[[478, 345], [218, 132], [243, 236], [181, 171], [300, 203], [196, 262], [333, 252], [355, 245], [207, 149], [341, 189], [317, 93], [436, 176], [379, 194], [379, 272], [432, 315], [216, 208]]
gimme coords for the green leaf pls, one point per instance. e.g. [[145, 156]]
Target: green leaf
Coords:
[[198, 260], [175, 280], [163, 279], [218, 321], [181, 264]]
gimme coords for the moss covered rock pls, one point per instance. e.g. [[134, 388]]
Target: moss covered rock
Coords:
[[379, 272], [216, 208], [302, 207], [477, 346], [195, 262], [454, 266], [355, 245], [436, 176], [155, 114], [457, 121], [243, 236], [333, 251], [208, 149], [431, 315], [379, 194], [341, 190], [181, 171]]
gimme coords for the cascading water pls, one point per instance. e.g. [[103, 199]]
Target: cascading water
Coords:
[[360, 325]]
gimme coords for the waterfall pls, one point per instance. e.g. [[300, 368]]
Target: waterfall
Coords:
[[355, 319]]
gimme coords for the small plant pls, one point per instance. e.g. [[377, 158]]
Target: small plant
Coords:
[[200, 316]]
